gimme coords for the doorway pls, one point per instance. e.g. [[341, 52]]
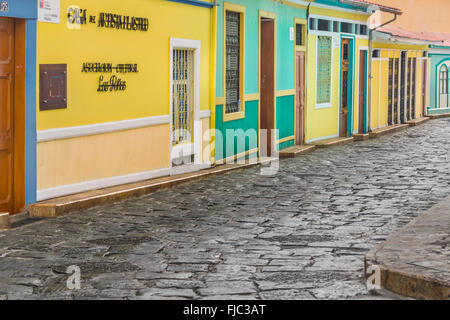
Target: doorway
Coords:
[[424, 88], [362, 91], [267, 81], [300, 98], [12, 115], [346, 87]]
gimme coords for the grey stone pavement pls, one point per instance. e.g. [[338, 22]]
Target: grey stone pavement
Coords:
[[301, 234]]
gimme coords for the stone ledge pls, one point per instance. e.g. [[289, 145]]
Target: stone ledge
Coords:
[[417, 121], [414, 260], [331, 142], [438, 116], [386, 130], [360, 136], [296, 151], [4, 221], [52, 208]]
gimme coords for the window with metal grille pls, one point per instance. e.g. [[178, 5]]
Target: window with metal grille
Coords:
[[323, 25], [396, 86], [402, 86], [363, 29], [444, 80], [408, 90], [323, 69], [183, 96], [391, 91], [346, 27], [233, 60], [299, 41], [413, 87]]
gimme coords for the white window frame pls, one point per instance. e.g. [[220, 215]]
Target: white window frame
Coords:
[[195, 147], [328, 104]]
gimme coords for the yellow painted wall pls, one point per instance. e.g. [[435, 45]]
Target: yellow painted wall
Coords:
[[380, 71], [85, 158], [147, 92], [321, 122], [68, 161]]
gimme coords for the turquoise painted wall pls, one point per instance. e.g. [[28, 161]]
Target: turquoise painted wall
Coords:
[[285, 115], [435, 61], [249, 122], [285, 73], [285, 48]]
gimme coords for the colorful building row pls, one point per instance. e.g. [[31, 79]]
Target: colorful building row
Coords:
[[97, 95]]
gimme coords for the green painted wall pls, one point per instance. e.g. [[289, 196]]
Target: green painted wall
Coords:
[[228, 138], [285, 116], [436, 60]]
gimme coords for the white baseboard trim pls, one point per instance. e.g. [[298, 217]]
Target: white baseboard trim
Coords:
[[322, 138], [65, 190], [99, 128]]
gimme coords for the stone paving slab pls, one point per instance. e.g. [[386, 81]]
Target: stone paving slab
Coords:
[[54, 207], [415, 261], [302, 232]]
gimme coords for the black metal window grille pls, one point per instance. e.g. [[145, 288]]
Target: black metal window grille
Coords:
[[233, 55], [402, 87], [396, 80], [312, 24], [363, 30], [346, 27], [323, 25], [299, 35], [408, 90], [390, 91], [444, 80]]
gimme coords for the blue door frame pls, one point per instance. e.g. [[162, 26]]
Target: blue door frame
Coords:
[[27, 10], [350, 88]]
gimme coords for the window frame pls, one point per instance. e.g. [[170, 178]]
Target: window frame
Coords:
[[330, 103], [241, 113]]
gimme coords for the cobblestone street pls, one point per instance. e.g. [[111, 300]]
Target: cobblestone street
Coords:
[[301, 234]]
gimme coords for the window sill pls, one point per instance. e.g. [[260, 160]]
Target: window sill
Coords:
[[233, 116]]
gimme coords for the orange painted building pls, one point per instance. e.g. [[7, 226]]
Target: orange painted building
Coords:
[[420, 15]]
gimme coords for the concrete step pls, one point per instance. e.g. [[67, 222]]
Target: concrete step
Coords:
[[360, 136], [296, 151], [438, 116], [386, 130], [416, 122], [52, 208], [332, 142], [413, 261]]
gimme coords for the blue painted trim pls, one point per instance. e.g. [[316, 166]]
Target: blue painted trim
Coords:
[[30, 113], [351, 83], [25, 9], [197, 3]]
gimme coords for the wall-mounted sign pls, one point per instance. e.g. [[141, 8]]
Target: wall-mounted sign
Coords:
[[114, 83], [336, 41], [78, 16], [48, 11], [4, 7], [291, 34]]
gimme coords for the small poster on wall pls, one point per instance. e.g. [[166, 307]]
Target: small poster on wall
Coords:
[[49, 11]]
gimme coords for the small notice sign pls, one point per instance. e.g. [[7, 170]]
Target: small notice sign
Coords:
[[336, 41], [49, 11], [291, 34], [4, 7]]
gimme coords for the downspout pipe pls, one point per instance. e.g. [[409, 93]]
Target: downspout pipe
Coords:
[[369, 107]]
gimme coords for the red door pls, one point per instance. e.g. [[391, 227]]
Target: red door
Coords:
[[362, 91], [300, 103], [6, 114]]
